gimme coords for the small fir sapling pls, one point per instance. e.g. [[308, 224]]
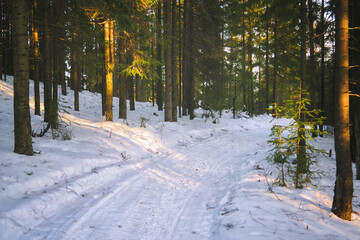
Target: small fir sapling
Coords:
[[286, 140]]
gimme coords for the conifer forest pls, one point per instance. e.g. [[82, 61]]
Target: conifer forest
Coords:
[[180, 119]]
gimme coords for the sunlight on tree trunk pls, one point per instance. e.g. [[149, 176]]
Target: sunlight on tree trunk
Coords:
[[109, 63], [342, 202]]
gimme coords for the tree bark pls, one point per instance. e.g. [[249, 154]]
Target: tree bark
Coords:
[[167, 59], [7, 41], [343, 192], [275, 73], [1, 38], [267, 61], [354, 78], [159, 84], [312, 73], [174, 82], [103, 72], [180, 61], [190, 67], [35, 37], [185, 57], [250, 73], [75, 65], [130, 83], [109, 63], [322, 42], [122, 84], [61, 47], [48, 115], [22, 122], [244, 84]]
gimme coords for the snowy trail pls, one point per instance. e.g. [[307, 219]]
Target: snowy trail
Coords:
[[186, 180], [156, 200]]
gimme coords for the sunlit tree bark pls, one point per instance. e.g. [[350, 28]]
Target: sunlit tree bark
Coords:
[[343, 192], [109, 63]]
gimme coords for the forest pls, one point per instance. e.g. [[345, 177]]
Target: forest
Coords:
[[295, 59]]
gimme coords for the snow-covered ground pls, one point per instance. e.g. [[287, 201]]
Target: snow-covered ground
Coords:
[[183, 180]]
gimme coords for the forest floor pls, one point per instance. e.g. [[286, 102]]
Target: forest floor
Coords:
[[184, 180]]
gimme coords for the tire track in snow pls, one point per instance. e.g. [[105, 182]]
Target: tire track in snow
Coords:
[[176, 196], [73, 209], [201, 218], [159, 200]]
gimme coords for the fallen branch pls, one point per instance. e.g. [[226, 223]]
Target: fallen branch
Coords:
[[270, 188], [42, 132]]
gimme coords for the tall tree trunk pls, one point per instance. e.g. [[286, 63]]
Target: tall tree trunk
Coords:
[[47, 67], [61, 47], [131, 92], [75, 66], [312, 74], [354, 78], [22, 122], [180, 61], [35, 37], [185, 57], [173, 63], [190, 67], [122, 83], [7, 44], [159, 84], [301, 167], [55, 53], [250, 73], [137, 88], [109, 68], [244, 84], [103, 72], [167, 59], [343, 192], [129, 59], [1, 38], [322, 42], [267, 61], [275, 73]]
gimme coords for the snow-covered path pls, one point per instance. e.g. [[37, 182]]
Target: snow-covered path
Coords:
[[184, 180], [174, 196]]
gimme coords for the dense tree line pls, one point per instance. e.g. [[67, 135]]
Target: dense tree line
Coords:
[[242, 55]]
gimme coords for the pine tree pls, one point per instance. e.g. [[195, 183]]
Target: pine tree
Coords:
[[287, 147]]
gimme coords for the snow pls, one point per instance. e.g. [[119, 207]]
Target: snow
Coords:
[[184, 180]]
